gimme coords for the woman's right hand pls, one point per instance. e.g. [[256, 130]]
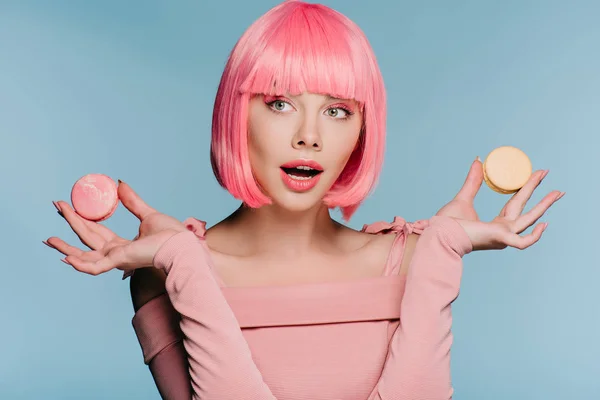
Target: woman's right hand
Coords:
[[108, 250]]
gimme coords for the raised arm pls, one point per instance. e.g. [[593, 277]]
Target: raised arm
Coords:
[[418, 364], [221, 365]]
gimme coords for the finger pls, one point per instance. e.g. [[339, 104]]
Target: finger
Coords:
[[92, 264], [532, 216], [79, 225], [99, 229], [472, 182], [515, 206], [133, 202], [95, 227], [63, 247], [503, 211], [523, 242]]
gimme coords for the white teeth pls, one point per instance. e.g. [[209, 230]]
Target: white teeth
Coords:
[[300, 178], [304, 167]]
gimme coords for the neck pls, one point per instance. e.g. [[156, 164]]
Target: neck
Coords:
[[275, 230]]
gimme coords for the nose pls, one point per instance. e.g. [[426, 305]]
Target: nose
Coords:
[[307, 137]]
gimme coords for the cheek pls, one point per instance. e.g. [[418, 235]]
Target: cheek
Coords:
[[344, 143], [257, 155], [266, 146], [258, 130], [264, 142]]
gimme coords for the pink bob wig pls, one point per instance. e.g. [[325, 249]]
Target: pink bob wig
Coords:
[[298, 47]]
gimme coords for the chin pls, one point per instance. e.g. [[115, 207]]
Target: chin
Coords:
[[297, 202]]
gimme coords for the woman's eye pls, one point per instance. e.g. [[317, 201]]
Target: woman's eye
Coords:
[[279, 105], [337, 113]]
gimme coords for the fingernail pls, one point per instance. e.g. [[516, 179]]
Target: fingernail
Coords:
[[47, 244], [477, 159], [560, 195], [65, 261], [56, 205], [544, 174], [120, 181], [60, 213], [545, 225]]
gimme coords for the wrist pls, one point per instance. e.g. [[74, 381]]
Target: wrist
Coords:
[[454, 233], [174, 243]]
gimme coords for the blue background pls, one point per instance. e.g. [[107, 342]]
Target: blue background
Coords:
[[126, 89]]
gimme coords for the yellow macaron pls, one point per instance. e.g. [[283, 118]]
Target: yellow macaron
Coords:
[[506, 169]]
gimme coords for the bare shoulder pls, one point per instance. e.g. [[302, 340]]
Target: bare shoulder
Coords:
[[409, 248], [347, 253], [374, 249], [368, 250], [227, 238]]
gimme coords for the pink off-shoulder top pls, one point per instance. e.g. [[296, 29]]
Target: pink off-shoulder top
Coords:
[[385, 338]]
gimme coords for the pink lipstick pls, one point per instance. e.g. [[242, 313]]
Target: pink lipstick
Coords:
[[301, 175]]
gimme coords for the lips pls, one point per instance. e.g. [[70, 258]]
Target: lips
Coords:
[[301, 175], [302, 169]]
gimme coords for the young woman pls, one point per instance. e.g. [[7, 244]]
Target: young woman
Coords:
[[279, 301]]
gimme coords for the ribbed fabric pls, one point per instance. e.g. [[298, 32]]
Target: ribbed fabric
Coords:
[[386, 338], [310, 304]]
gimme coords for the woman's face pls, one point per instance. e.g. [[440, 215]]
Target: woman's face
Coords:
[[299, 145]]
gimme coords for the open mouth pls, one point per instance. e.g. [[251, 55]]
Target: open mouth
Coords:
[[301, 175], [301, 172]]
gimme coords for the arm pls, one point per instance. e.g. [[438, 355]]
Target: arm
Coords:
[[221, 365], [156, 325], [418, 364]]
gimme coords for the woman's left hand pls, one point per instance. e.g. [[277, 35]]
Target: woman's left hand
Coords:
[[504, 230]]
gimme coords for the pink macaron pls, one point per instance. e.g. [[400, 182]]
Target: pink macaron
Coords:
[[94, 197]]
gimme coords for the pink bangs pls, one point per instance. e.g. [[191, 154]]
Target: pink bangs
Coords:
[[294, 48], [307, 51]]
